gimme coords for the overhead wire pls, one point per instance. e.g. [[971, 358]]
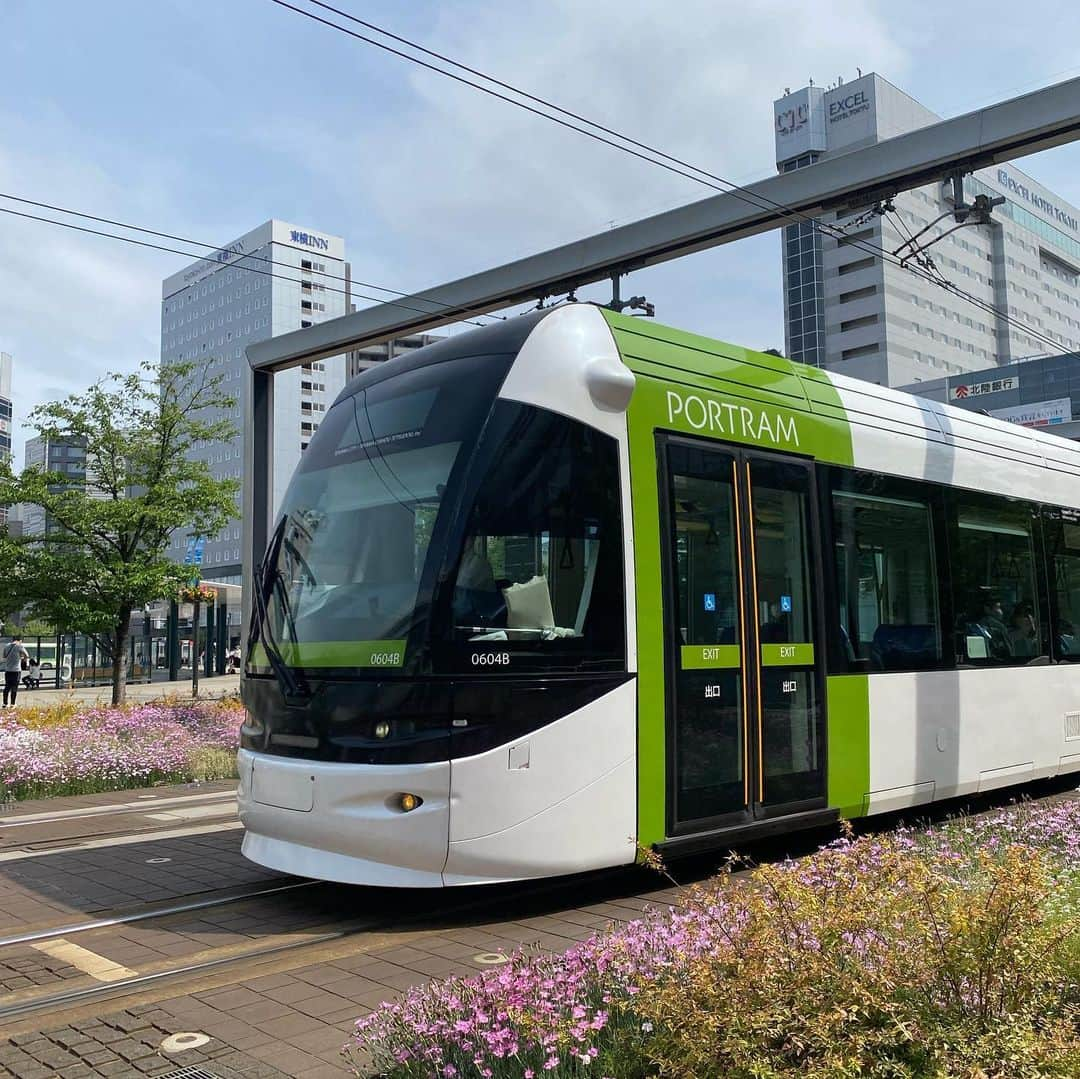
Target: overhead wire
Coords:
[[667, 161], [187, 240], [237, 265]]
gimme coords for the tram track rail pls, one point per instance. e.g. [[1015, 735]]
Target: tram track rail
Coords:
[[323, 941], [141, 807], [72, 928], [82, 840], [310, 945]]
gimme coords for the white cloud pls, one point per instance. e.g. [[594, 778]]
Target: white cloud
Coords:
[[73, 309], [493, 182]]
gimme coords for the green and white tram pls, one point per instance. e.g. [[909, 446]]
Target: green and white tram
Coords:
[[554, 588]]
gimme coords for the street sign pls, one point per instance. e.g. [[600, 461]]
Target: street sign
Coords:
[[193, 556]]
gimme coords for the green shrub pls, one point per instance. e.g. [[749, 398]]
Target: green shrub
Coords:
[[891, 964]]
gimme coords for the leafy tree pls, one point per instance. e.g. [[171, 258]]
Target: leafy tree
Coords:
[[106, 547]]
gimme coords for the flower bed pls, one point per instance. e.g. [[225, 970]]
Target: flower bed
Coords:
[[953, 952], [61, 750]]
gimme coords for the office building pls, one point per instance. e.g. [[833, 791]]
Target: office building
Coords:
[[6, 364], [67, 457], [848, 311], [276, 278], [361, 359], [1040, 391]]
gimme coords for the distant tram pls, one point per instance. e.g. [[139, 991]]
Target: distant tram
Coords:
[[548, 590]]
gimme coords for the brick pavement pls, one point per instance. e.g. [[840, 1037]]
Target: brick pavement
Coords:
[[24, 967], [290, 1015], [296, 1020], [285, 1016], [123, 1045], [70, 885]]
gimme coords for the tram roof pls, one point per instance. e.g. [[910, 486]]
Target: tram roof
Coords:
[[501, 338]]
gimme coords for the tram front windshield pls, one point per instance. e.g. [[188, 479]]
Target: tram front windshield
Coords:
[[348, 581]]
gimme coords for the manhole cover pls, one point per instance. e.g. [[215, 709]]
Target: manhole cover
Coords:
[[190, 1073], [157, 861], [491, 959], [177, 1043]]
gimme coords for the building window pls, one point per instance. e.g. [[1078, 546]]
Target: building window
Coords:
[[858, 323]]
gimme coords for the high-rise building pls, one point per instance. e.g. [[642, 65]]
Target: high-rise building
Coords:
[[5, 417], [277, 278], [852, 312], [67, 457], [371, 356]]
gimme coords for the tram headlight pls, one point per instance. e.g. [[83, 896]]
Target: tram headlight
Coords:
[[409, 802], [382, 729]]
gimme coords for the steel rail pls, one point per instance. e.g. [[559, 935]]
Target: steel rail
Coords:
[[108, 990], [166, 805], [144, 915]]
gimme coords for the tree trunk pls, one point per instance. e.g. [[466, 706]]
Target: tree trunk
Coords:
[[120, 657], [195, 650]]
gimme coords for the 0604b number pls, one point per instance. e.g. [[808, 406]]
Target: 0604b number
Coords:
[[490, 659], [385, 659]]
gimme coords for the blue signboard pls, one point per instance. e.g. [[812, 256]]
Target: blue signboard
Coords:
[[710, 601], [785, 604], [193, 556]]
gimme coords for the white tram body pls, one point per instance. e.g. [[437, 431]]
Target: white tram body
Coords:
[[546, 592]]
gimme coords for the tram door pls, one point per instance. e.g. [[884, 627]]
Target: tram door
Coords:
[[745, 708]]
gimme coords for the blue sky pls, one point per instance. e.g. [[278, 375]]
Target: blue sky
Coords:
[[205, 118]]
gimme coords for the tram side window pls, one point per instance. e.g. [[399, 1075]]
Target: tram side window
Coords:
[[1063, 557], [540, 578], [995, 598], [886, 573]]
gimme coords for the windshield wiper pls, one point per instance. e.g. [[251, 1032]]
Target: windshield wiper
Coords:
[[293, 689]]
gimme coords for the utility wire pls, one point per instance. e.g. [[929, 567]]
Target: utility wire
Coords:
[[352, 281], [204, 258], [487, 90], [664, 160]]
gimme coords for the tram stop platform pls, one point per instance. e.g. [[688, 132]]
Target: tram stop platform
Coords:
[[220, 685]]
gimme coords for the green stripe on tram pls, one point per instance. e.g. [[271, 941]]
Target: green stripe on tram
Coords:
[[387, 654], [701, 657], [696, 386], [849, 742]]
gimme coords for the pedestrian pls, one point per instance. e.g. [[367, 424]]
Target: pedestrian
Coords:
[[16, 658], [32, 678]]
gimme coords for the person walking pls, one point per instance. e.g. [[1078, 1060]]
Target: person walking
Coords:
[[15, 658]]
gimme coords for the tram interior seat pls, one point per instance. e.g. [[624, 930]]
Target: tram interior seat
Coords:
[[903, 647], [529, 610]]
